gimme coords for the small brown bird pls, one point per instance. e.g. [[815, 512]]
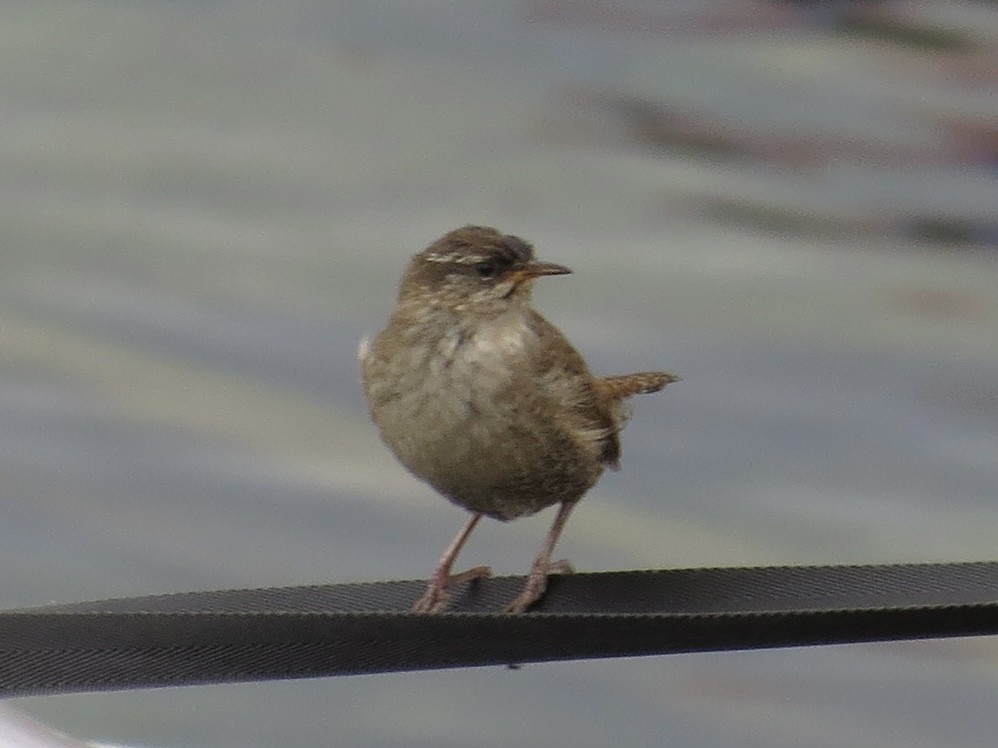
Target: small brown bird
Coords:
[[481, 397]]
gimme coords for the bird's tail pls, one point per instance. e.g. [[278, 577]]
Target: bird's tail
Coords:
[[643, 383]]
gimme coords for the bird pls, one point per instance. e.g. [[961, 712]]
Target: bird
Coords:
[[487, 401]]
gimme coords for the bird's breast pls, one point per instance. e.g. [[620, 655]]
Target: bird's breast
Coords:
[[443, 379], [466, 411]]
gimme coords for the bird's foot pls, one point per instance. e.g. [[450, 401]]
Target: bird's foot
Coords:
[[537, 583], [437, 596]]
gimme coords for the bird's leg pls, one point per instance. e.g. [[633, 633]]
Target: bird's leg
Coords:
[[537, 582], [435, 599]]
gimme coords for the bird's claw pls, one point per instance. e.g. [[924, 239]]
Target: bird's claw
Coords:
[[564, 566], [437, 596], [536, 585]]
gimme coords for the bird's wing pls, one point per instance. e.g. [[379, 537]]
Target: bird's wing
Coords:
[[564, 374]]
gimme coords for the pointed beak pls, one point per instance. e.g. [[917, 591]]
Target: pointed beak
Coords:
[[535, 269]]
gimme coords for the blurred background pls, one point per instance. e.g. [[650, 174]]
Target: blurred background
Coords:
[[204, 205]]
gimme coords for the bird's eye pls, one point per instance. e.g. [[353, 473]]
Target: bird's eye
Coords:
[[486, 270]]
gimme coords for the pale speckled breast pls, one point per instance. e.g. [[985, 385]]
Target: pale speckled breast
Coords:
[[468, 412]]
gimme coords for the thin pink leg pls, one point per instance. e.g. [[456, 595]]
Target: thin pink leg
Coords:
[[434, 600], [538, 580]]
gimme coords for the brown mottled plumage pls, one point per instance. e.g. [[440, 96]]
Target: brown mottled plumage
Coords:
[[484, 399]]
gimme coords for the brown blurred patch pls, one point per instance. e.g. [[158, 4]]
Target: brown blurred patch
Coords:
[[937, 303]]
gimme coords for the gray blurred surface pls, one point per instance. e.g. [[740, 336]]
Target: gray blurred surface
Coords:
[[205, 206]]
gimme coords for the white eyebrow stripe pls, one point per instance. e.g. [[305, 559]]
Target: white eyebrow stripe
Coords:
[[455, 257]]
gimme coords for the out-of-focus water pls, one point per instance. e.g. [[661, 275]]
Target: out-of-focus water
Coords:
[[205, 206]]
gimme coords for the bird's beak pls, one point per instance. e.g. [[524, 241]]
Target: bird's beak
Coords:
[[535, 269]]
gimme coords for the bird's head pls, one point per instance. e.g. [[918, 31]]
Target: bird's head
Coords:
[[474, 268]]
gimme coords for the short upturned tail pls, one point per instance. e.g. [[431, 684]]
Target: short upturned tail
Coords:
[[643, 383]]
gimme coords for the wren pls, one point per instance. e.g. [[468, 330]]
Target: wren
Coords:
[[481, 397]]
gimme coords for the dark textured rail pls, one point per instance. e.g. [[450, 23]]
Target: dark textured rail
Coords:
[[298, 632]]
